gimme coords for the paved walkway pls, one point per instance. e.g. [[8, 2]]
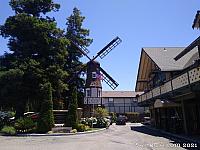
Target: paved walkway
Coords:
[[129, 137], [187, 139]]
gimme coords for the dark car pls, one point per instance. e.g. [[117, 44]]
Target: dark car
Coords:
[[121, 120]]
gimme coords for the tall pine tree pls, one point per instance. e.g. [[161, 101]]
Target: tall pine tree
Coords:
[[38, 49], [79, 35]]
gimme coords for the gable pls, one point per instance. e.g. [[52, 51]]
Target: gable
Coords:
[[146, 66]]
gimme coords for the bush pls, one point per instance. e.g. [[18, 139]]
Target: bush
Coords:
[[8, 130], [113, 117], [46, 119], [72, 118], [97, 122], [81, 127], [102, 123], [83, 121], [101, 112], [5, 118], [25, 125], [88, 121]]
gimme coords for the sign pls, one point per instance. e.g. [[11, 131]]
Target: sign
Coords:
[[92, 100]]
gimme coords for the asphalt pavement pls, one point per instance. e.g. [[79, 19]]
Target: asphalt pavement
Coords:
[[132, 136]]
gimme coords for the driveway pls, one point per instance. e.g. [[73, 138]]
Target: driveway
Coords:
[[132, 136]]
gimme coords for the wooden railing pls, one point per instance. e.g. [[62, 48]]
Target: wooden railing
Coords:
[[189, 77]]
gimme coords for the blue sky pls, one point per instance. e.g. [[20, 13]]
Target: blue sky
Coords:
[[141, 23]]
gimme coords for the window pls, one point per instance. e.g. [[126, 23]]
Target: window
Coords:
[[110, 99], [134, 103], [88, 92], [99, 93], [110, 102], [93, 75]]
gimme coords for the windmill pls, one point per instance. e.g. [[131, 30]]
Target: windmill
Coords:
[[95, 73]]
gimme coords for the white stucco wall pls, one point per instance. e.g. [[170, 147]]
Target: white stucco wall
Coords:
[[122, 105]]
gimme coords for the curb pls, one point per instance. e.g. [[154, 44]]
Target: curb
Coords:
[[189, 139], [61, 134]]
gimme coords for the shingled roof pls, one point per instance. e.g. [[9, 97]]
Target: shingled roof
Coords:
[[164, 57], [118, 94]]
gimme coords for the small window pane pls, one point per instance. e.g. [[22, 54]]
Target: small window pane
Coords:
[[110, 99]]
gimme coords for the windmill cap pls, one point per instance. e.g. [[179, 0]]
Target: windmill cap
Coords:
[[94, 61]]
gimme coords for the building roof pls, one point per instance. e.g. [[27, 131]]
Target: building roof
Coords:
[[188, 49], [196, 23], [164, 57], [120, 94]]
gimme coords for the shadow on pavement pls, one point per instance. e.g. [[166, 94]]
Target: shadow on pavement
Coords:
[[174, 141]]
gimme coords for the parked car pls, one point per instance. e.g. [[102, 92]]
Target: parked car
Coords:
[[121, 120]]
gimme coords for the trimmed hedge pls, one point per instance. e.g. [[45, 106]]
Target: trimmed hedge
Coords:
[[46, 118], [72, 118]]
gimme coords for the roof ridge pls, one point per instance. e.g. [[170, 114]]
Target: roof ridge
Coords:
[[166, 47], [120, 91]]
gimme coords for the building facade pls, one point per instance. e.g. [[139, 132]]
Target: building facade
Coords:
[[171, 87], [121, 102]]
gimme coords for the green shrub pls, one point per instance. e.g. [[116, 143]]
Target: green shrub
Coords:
[[83, 121], [113, 117], [5, 118], [88, 121], [46, 119], [101, 112], [87, 128], [102, 123], [99, 122], [72, 118], [8, 130], [81, 127], [24, 125]]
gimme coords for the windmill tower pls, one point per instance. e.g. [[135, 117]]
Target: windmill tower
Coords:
[[95, 74]]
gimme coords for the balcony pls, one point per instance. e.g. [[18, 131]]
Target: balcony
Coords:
[[189, 80]]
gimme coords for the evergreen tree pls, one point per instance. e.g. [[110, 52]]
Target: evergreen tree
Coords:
[[38, 49], [11, 89], [79, 35], [34, 7], [46, 118], [72, 111]]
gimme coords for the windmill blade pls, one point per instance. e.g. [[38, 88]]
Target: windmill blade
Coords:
[[102, 53], [83, 50], [77, 71], [108, 79]]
